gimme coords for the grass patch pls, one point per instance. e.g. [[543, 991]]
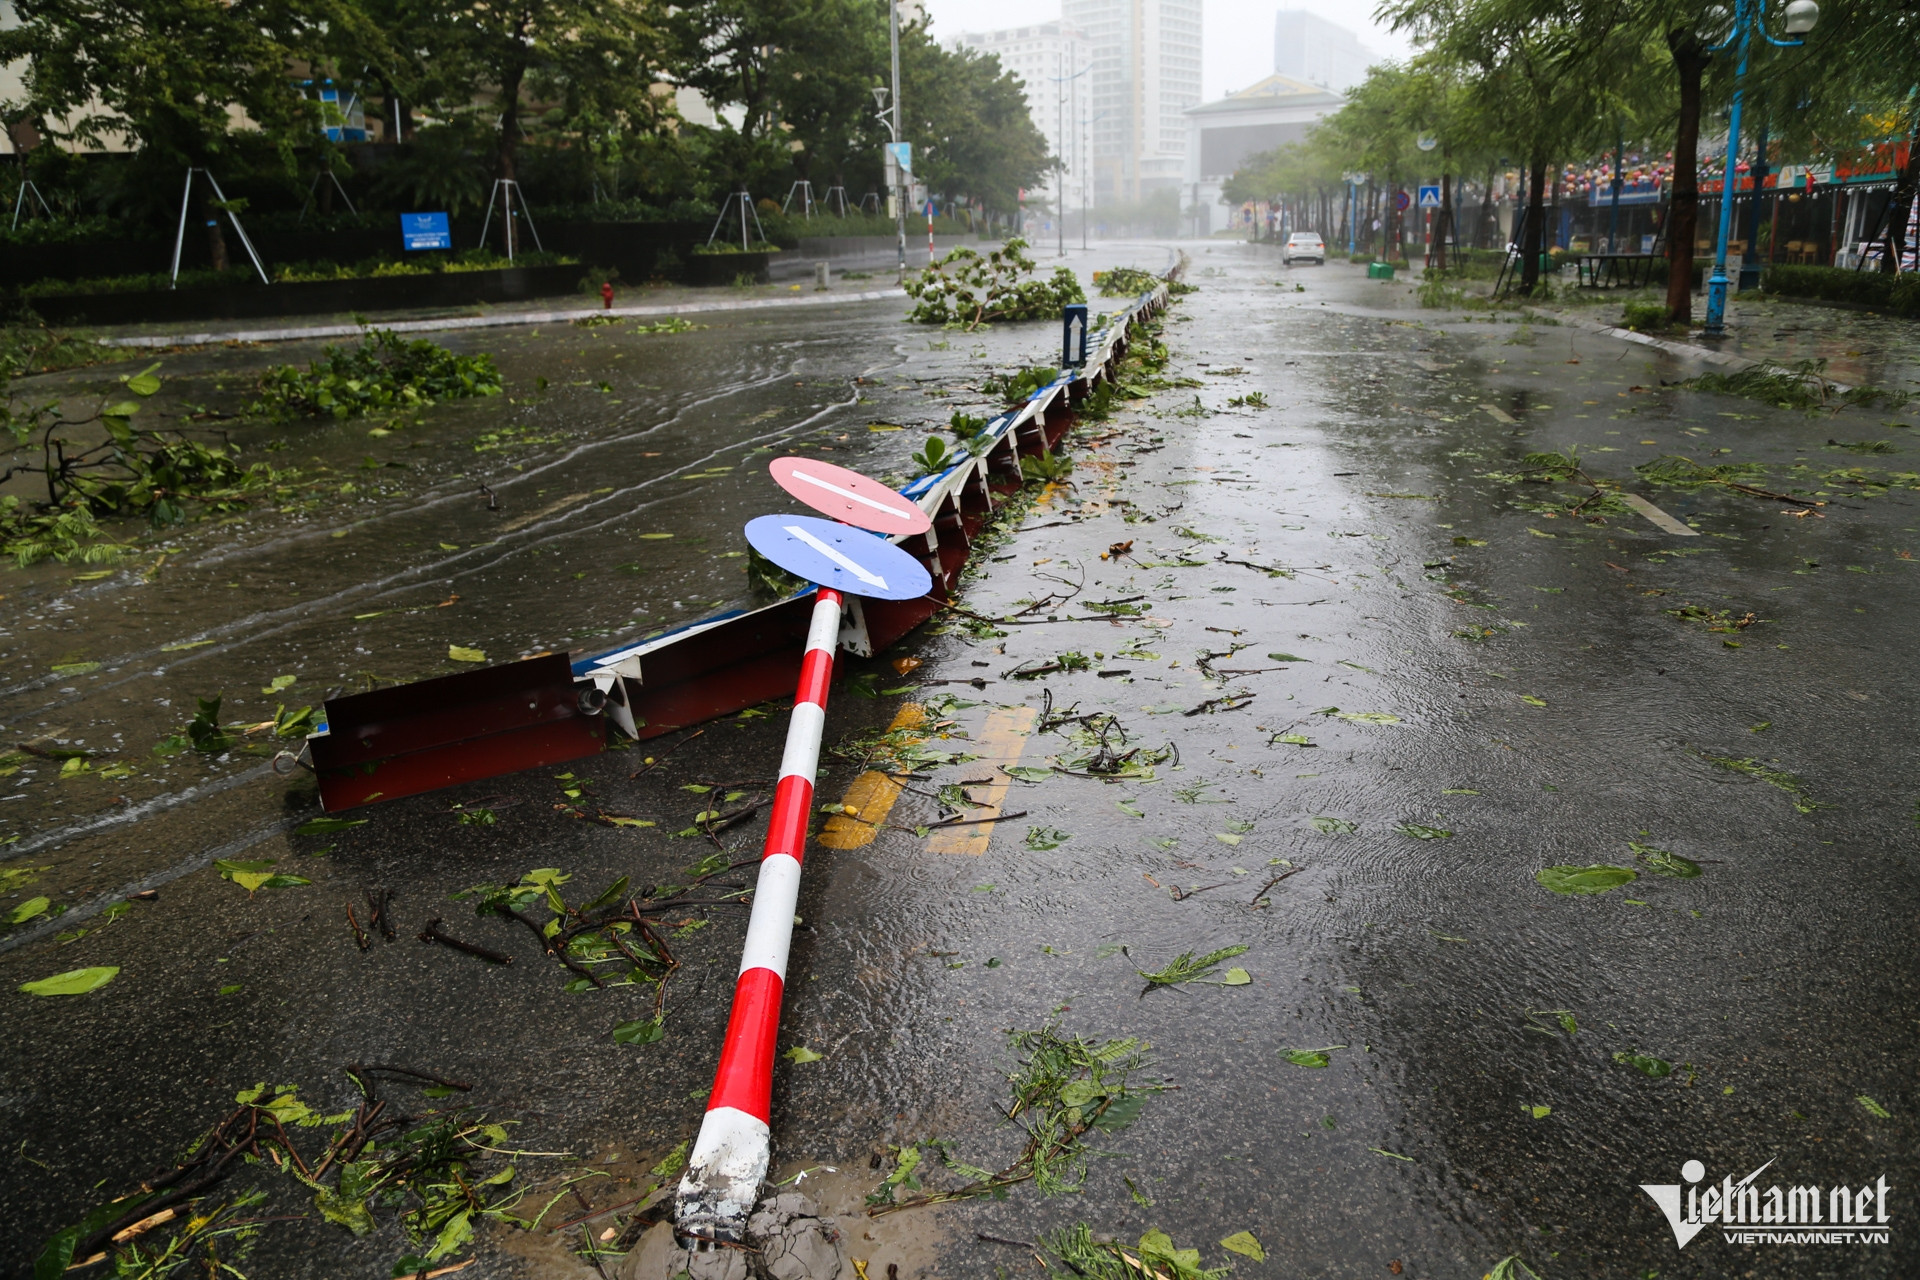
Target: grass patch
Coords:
[[1646, 317], [1899, 294]]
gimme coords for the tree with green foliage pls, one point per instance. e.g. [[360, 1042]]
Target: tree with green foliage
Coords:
[[1534, 81], [599, 55], [793, 80], [187, 83], [968, 120]]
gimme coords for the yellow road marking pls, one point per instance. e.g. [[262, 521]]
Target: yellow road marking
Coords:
[[871, 795], [999, 745]]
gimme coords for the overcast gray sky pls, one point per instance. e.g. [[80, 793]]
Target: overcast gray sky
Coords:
[[1238, 40]]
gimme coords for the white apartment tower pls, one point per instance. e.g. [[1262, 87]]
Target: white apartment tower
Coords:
[[1053, 62], [1308, 47], [1146, 75]]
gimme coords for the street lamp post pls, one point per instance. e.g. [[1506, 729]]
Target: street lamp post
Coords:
[[1063, 84], [1084, 141], [892, 116], [895, 195], [1801, 15]]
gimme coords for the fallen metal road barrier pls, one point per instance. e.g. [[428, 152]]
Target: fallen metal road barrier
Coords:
[[419, 737]]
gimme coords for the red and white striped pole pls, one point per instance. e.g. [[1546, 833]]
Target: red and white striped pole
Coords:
[[930, 258], [730, 1156]]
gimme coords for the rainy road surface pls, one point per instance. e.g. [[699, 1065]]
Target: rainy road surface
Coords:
[[1374, 681]]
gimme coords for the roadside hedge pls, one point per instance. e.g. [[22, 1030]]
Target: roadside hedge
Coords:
[[1899, 294]]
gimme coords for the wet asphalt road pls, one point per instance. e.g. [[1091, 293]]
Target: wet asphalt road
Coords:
[[1459, 663]]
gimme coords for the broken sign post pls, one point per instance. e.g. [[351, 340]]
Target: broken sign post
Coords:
[[730, 1157]]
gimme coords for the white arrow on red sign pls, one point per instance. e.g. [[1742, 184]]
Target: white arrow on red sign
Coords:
[[848, 496]]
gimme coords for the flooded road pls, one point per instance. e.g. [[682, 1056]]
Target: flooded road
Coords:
[[1376, 681]]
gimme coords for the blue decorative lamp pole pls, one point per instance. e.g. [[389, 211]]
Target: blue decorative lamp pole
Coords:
[[1801, 15], [1353, 209]]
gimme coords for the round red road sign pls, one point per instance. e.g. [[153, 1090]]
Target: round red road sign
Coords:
[[848, 496]]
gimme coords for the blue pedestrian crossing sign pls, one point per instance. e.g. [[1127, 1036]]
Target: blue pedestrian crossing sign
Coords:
[[1429, 197], [839, 556]]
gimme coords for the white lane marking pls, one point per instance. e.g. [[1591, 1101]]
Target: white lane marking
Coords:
[[850, 495], [770, 929], [871, 579], [801, 757], [1657, 516]]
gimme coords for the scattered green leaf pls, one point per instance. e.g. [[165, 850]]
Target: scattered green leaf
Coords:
[[74, 982], [1597, 878], [640, 1031], [1311, 1057]]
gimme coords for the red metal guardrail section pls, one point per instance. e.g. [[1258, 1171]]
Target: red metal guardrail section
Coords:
[[549, 709]]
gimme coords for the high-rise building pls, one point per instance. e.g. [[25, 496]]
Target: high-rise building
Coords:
[[1146, 74], [1053, 62], [1308, 47], [1223, 135]]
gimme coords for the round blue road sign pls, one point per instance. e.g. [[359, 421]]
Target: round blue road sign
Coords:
[[839, 556]]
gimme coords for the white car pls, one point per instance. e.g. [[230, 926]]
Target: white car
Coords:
[[1304, 246]]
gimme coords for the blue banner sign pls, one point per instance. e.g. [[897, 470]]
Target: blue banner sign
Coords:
[[1601, 196], [425, 231]]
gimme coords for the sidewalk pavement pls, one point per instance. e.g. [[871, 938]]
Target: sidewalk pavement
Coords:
[[1861, 348]]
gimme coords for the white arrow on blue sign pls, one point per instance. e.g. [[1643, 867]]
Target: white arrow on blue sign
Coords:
[[1429, 197], [839, 556]]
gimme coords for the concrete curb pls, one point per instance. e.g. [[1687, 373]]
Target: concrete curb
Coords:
[[490, 321]]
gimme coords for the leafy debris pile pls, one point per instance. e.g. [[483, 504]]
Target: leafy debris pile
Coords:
[[615, 938], [384, 373], [1800, 385], [1063, 1087], [437, 1174], [1154, 1256], [156, 474], [965, 290]]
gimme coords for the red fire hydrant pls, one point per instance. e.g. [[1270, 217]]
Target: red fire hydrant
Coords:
[[606, 293]]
